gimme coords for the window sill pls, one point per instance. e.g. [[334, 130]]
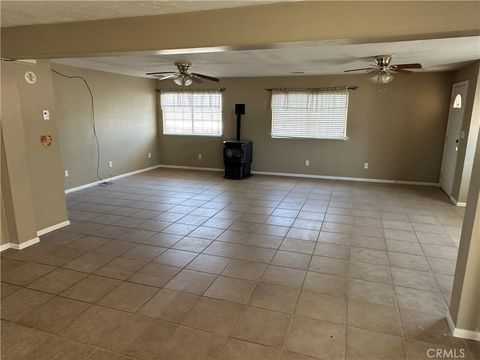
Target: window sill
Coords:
[[194, 135], [309, 138]]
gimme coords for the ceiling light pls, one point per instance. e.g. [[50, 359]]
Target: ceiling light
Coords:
[[183, 80], [382, 77]]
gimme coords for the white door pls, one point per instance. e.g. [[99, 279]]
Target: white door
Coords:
[[453, 135]]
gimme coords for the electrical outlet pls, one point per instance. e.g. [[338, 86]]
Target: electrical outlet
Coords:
[[365, 165], [199, 156], [46, 114], [307, 162], [110, 164], [66, 173], [149, 155]]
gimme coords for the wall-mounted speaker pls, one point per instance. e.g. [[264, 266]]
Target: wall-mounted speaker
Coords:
[[239, 109]]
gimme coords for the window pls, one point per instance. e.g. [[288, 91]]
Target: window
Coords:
[[457, 104], [312, 114], [192, 112]]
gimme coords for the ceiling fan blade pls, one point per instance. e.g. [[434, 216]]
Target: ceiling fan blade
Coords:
[[408, 66], [363, 69], [171, 76], [196, 79], [205, 77], [401, 71], [160, 73]]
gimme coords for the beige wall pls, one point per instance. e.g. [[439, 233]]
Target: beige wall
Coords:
[[34, 172], [253, 26], [465, 302], [5, 237], [125, 109], [15, 174], [399, 131], [8, 231], [471, 126]]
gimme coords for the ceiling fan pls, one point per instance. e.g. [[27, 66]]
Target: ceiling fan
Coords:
[[182, 77], [382, 70]]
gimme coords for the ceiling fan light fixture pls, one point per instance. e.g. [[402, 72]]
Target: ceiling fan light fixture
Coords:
[[183, 80], [182, 77], [382, 78], [382, 69]]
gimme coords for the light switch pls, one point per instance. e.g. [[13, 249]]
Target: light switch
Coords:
[[46, 114]]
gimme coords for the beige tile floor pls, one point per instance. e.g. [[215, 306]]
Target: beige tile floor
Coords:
[[186, 265]]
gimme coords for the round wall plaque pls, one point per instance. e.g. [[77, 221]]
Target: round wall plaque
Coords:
[[30, 77]]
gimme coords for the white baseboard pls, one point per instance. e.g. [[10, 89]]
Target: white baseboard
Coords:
[[310, 176], [26, 244], [4, 247], [36, 239], [189, 168], [421, 183], [457, 203], [462, 333], [269, 173], [344, 178], [20, 246], [53, 228], [116, 177], [81, 187], [466, 334]]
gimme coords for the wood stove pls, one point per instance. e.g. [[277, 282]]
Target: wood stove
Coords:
[[237, 154]]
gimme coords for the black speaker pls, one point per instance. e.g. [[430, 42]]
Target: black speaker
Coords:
[[239, 109]]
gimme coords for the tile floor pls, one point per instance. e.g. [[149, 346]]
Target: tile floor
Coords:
[[186, 265]]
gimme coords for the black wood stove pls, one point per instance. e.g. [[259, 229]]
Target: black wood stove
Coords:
[[237, 154]]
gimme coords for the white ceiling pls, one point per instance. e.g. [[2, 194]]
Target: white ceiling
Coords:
[[22, 12], [319, 58]]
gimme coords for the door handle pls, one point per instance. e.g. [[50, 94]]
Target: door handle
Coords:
[[456, 141]]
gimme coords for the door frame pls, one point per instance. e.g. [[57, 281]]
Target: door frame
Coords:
[[450, 106]]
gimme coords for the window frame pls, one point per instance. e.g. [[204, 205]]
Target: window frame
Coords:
[[219, 92], [343, 90]]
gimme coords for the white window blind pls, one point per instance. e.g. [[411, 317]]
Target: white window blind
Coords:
[[192, 112], [313, 114]]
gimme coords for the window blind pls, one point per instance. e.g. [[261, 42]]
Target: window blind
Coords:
[[192, 112], [313, 114]]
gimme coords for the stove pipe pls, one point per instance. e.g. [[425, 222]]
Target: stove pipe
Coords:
[[239, 111]]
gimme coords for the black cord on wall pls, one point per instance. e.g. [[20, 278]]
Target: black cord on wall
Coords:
[[94, 126]]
